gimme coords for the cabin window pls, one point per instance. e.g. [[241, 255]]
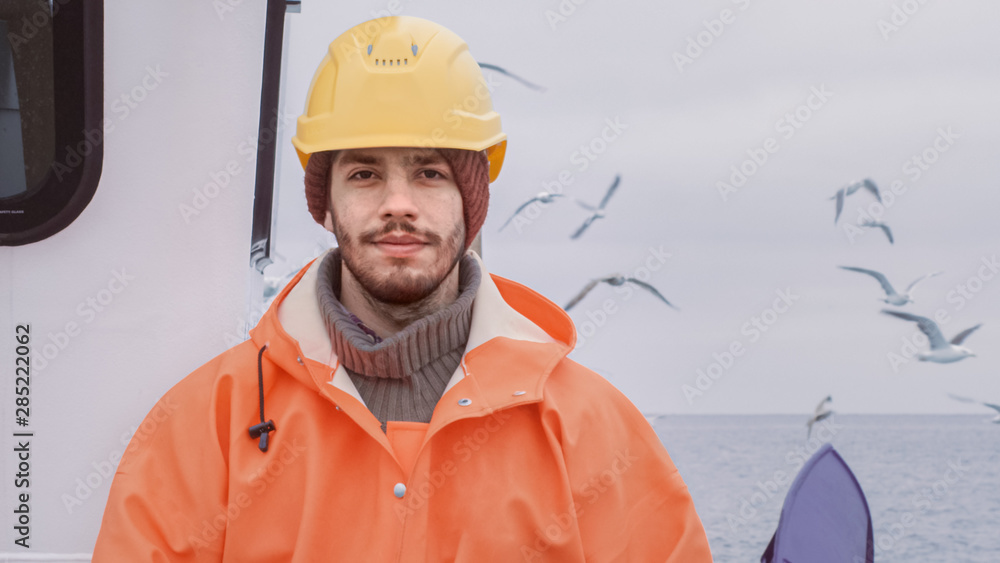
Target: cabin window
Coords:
[[51, 114]]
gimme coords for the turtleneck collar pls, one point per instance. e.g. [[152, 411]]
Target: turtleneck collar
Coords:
[[410, 349]]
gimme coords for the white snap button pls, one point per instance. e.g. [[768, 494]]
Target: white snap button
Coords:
[[399, 490], [464, 402], [519, 393]]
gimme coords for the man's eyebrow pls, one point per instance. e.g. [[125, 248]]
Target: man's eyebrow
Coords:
[[423, 159], [359, 158]]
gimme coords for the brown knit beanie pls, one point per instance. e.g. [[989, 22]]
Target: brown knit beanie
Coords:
[[471, 170]]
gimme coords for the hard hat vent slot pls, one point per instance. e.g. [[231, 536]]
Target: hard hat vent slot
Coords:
[[398, 62]]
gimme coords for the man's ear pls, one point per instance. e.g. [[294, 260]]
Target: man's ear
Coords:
[[328, 221]]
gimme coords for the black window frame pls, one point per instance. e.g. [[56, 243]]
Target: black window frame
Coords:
[[75, 172]]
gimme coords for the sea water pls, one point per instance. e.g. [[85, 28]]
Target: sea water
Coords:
[[932, 481]]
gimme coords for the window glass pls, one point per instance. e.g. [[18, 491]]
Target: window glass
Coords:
[[27, 132], [51, 102]]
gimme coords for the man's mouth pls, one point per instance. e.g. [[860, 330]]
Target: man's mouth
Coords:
[[400, 246]]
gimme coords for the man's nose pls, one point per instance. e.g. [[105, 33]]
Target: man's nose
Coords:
[[398, 199]]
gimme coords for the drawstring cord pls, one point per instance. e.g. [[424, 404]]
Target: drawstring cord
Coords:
[[263, 429]]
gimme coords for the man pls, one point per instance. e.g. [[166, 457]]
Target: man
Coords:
[[402, 404]]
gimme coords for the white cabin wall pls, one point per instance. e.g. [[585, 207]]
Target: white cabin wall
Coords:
[[186, 299]]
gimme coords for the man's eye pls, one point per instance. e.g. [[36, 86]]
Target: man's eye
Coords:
[[431, 174], [363, 175]]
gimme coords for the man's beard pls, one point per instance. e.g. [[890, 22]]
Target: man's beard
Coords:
[[399, 286]]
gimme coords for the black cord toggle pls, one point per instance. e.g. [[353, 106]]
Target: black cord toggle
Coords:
[[263, 429]]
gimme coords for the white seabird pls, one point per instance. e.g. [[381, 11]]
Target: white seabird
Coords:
[[542, 197], [616, 280], [821, 413], [506, 72], [849, 189], [891, 297], [596, 212], [941, 352], [880, 225], [990, 405]]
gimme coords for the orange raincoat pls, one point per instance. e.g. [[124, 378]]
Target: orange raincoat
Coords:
[[529, 456]]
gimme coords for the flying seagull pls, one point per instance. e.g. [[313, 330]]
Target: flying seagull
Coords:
[[821, 413], [881, 225], [505, 72], [615, 280], [542, 197], [891, 297], [941, 352], [596, 212], [849, 189], [990, 405]]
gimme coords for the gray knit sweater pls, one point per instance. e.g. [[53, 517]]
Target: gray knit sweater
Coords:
[[403, 376]]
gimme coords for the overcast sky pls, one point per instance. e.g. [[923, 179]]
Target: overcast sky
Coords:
[[829, 92]]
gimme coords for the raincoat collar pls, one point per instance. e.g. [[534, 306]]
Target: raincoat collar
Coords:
[[516, 338]]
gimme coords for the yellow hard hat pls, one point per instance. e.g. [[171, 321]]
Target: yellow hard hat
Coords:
[[399, 81]]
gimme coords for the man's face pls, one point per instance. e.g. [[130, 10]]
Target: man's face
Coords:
[[397, 216]]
